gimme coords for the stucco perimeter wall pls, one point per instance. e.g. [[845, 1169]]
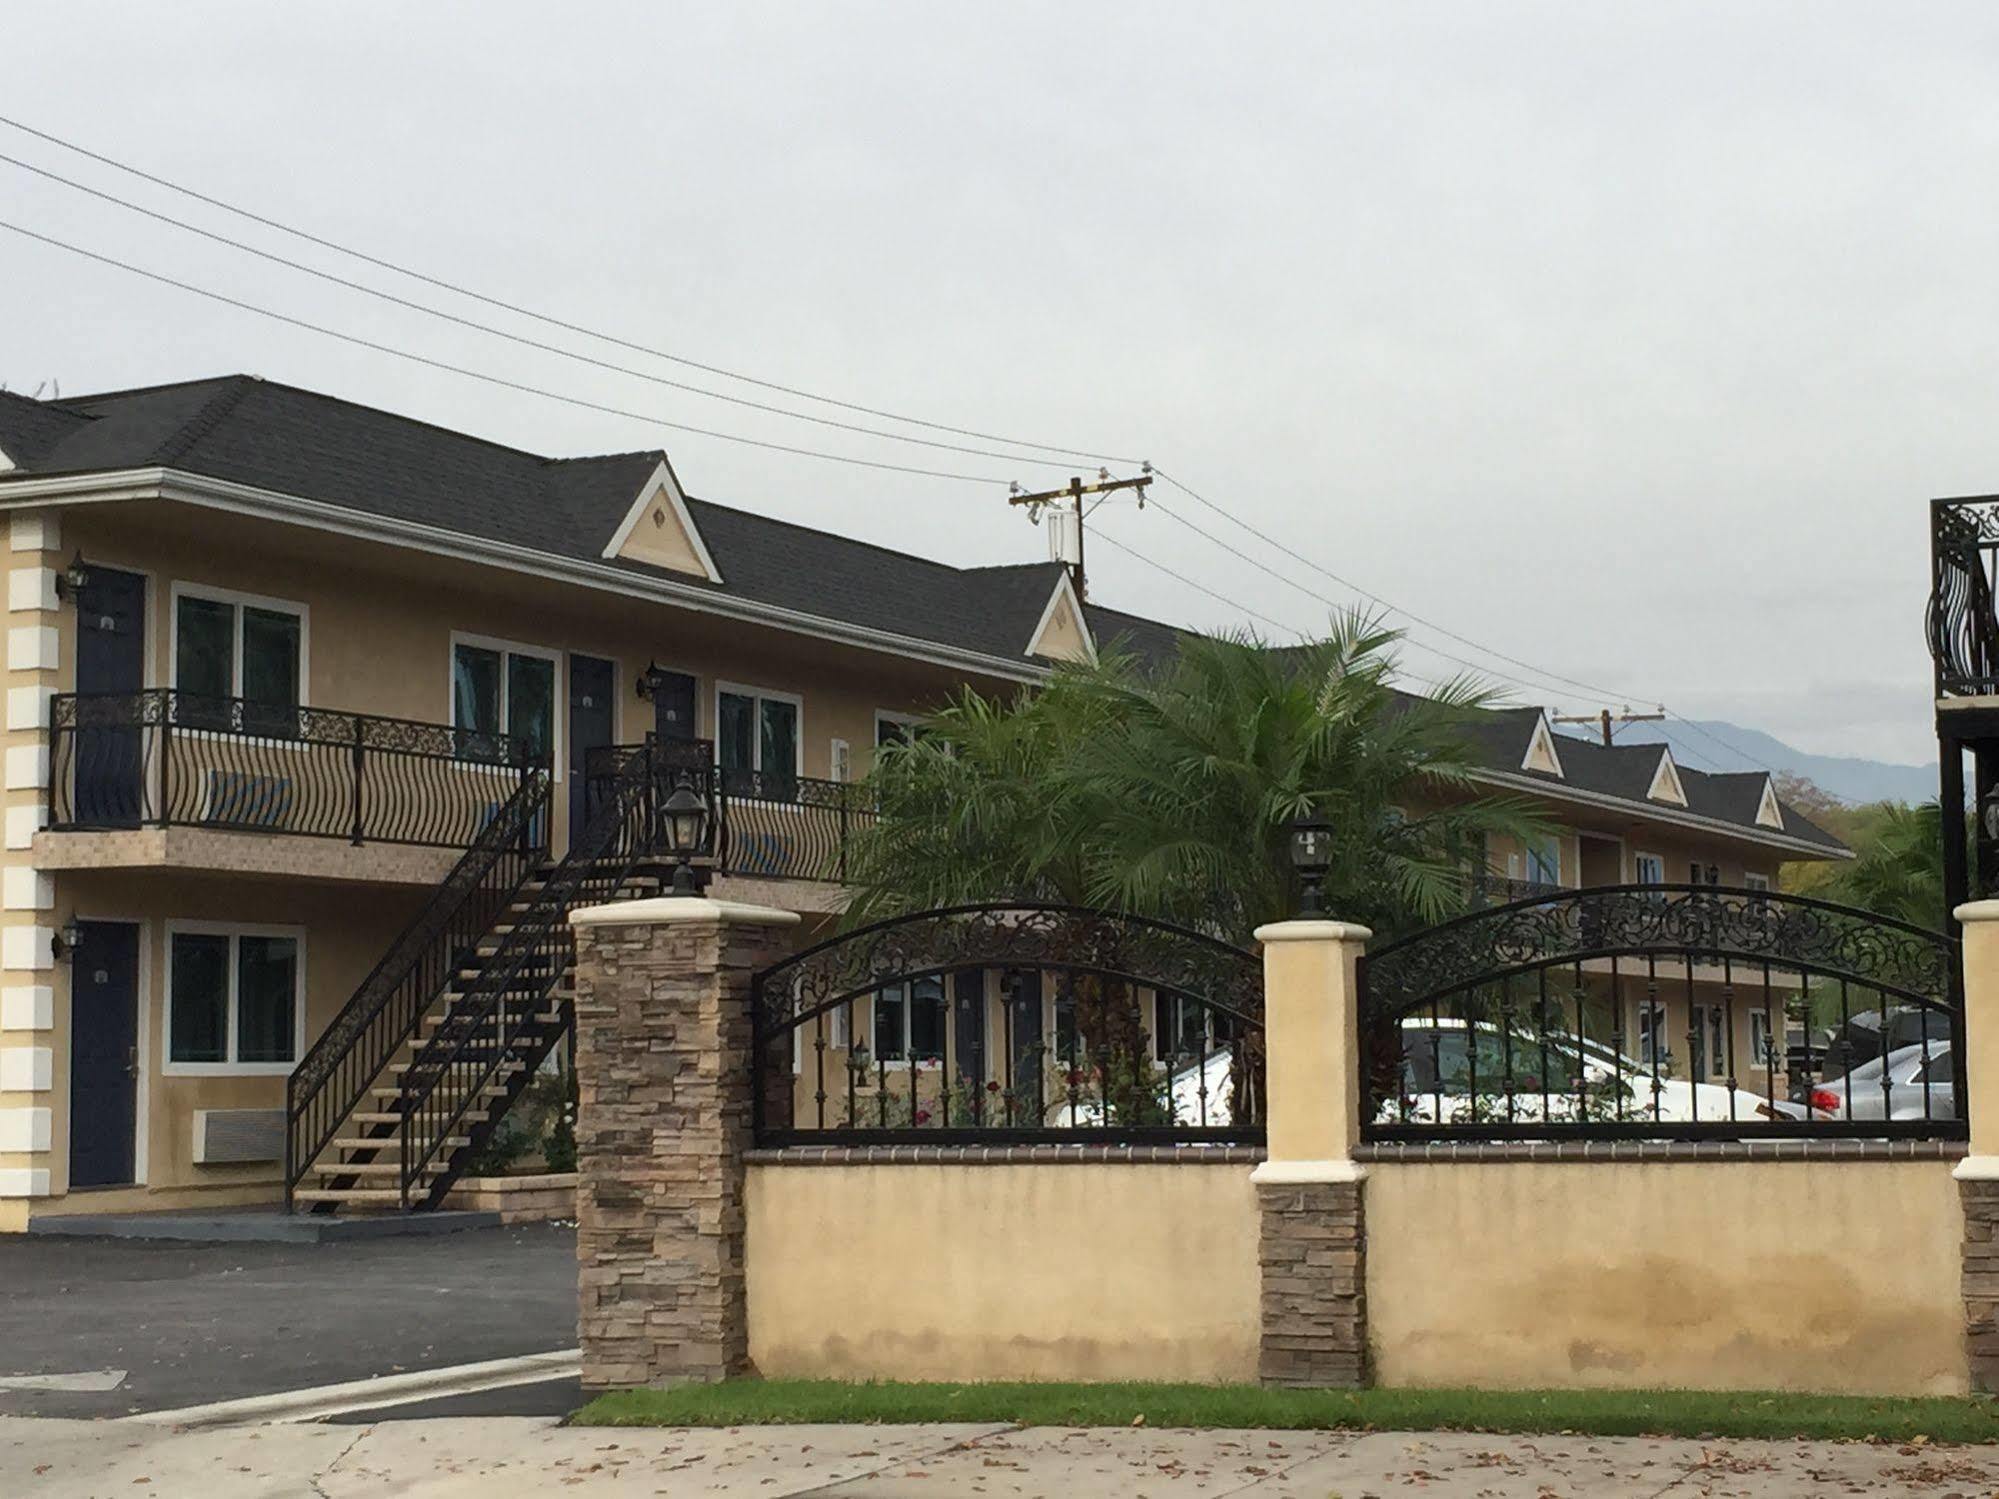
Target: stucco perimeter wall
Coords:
[[1095, 1271], [1776, 1275]]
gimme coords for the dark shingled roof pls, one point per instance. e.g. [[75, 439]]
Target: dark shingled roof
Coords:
[[277, 437]]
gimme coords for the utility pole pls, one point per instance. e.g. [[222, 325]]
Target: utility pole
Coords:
[[1071, 498], [1606, 718]]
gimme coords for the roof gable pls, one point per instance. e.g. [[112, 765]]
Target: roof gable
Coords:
[[1541, 754], [659, 531], [1770, 811], [1062, 634], [1666, 785]]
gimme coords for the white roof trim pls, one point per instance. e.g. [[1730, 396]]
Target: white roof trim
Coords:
[[1666, 785], [1769, 811], [245, 499], [1541, 752], [6, 463], [1514, 781], [1065, 588], [664, 481]]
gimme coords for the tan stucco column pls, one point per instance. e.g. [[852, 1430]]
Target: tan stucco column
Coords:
[[1978, 1173], [662, 1122], [1311, 1246]]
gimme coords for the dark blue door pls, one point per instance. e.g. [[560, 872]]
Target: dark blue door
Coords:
[[591, 681], [104, 1053], [108, 775], [672, 704], [968, 1045]]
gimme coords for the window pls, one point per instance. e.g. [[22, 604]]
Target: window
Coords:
[[1648, 869], [1755, 881], [910, 1020], [757, 742], [228, 646], [1654, 1047], [1178, 1028], [896, 728], [235, 1000], [503, 689], [1544, 861], [839, 760], [1762, 1039], [1710, 1042]]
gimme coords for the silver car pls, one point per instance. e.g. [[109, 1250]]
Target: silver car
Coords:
[[1913, 1082]]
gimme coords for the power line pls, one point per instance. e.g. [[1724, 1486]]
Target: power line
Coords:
[[1221, 598], [519, 338], [1375, 598], [542, 317], [491, 379], [1468, 664]]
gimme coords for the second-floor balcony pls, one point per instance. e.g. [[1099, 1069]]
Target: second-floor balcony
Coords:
[[1963, 622], [169, 778]]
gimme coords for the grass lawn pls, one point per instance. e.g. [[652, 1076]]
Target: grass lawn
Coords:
[[1686, 1413]]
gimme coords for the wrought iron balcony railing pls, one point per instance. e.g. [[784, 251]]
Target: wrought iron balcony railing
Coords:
[[1963, 624], [164, 758], [1498, 889]]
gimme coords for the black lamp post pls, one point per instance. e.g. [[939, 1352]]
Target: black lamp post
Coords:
[[1312, 856], [686, 818]]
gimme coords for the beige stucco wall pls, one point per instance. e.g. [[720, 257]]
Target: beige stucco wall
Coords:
[[1095, 1272], [1792, 1275]]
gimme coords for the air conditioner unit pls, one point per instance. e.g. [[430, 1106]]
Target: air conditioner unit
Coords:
[[233, 1137]]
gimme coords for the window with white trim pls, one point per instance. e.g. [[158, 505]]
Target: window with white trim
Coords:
[[909, 1021], [1762, 1039], [1544, 861], [1654, 1046], [235, 999], [498, 688], [756, 742], [1648, 869], [1754, 881], [234, 646]]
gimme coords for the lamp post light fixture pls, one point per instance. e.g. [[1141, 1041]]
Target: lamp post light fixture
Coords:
[[72, 580], [686, 818], [1312, 856]]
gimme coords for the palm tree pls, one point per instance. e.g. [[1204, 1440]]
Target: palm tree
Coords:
[[1171, 792], [1897, 869]]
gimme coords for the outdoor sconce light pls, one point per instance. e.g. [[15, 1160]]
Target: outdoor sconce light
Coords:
[[1988, 814], [686, 814], [647, 682], [72, 580], [858, 1059], [1312, 856], [64, 944]]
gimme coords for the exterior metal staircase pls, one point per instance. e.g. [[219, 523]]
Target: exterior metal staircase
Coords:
[[446, 1034]]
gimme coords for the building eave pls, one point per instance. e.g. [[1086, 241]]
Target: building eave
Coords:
[[243, 499], [1656, 812]]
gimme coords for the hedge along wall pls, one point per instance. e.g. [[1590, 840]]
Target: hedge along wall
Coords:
[[1071, 1271], [1817, 1273]]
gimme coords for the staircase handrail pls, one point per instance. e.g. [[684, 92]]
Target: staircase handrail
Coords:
[[621, 830], [337, 1069]]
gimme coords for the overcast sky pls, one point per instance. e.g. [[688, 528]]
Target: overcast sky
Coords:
[[1626, 340]]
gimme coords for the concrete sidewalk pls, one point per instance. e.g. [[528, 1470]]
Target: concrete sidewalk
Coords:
[[524, 1456]]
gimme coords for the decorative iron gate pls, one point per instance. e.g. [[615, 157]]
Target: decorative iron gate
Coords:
[[1663, 1012], [1011, 1023]]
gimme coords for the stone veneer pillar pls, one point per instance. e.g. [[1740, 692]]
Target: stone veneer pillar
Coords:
[[663, 1121], [1978, 1173], [29, 1017], [1313, 1241]]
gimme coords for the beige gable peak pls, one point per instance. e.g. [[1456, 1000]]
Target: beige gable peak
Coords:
[[1062, 634], [1666, 785], [1769, 813], [1541, 753], [659, 531]]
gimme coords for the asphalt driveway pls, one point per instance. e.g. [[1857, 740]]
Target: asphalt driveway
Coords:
[[194, 1323]]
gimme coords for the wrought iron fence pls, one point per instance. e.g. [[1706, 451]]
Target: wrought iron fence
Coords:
[[163, 757], [1011, 1023], [1662, 1012], [1963, 623], [789, 827]]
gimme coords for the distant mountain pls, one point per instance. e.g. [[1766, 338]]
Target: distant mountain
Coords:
[[1846, 777]]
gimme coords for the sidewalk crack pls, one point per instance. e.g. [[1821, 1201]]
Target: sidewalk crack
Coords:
[[339, 1458]]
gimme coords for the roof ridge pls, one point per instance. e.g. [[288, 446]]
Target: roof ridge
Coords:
[[659, 453], [204, 421], [820, 531], [143, 390]]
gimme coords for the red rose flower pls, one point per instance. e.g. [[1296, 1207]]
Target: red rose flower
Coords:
[[923, 1116]]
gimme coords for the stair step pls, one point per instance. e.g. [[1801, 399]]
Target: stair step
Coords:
[[388, 1142], [371, 1168], [489, 1091], [359, 1196], [508, 1068]]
